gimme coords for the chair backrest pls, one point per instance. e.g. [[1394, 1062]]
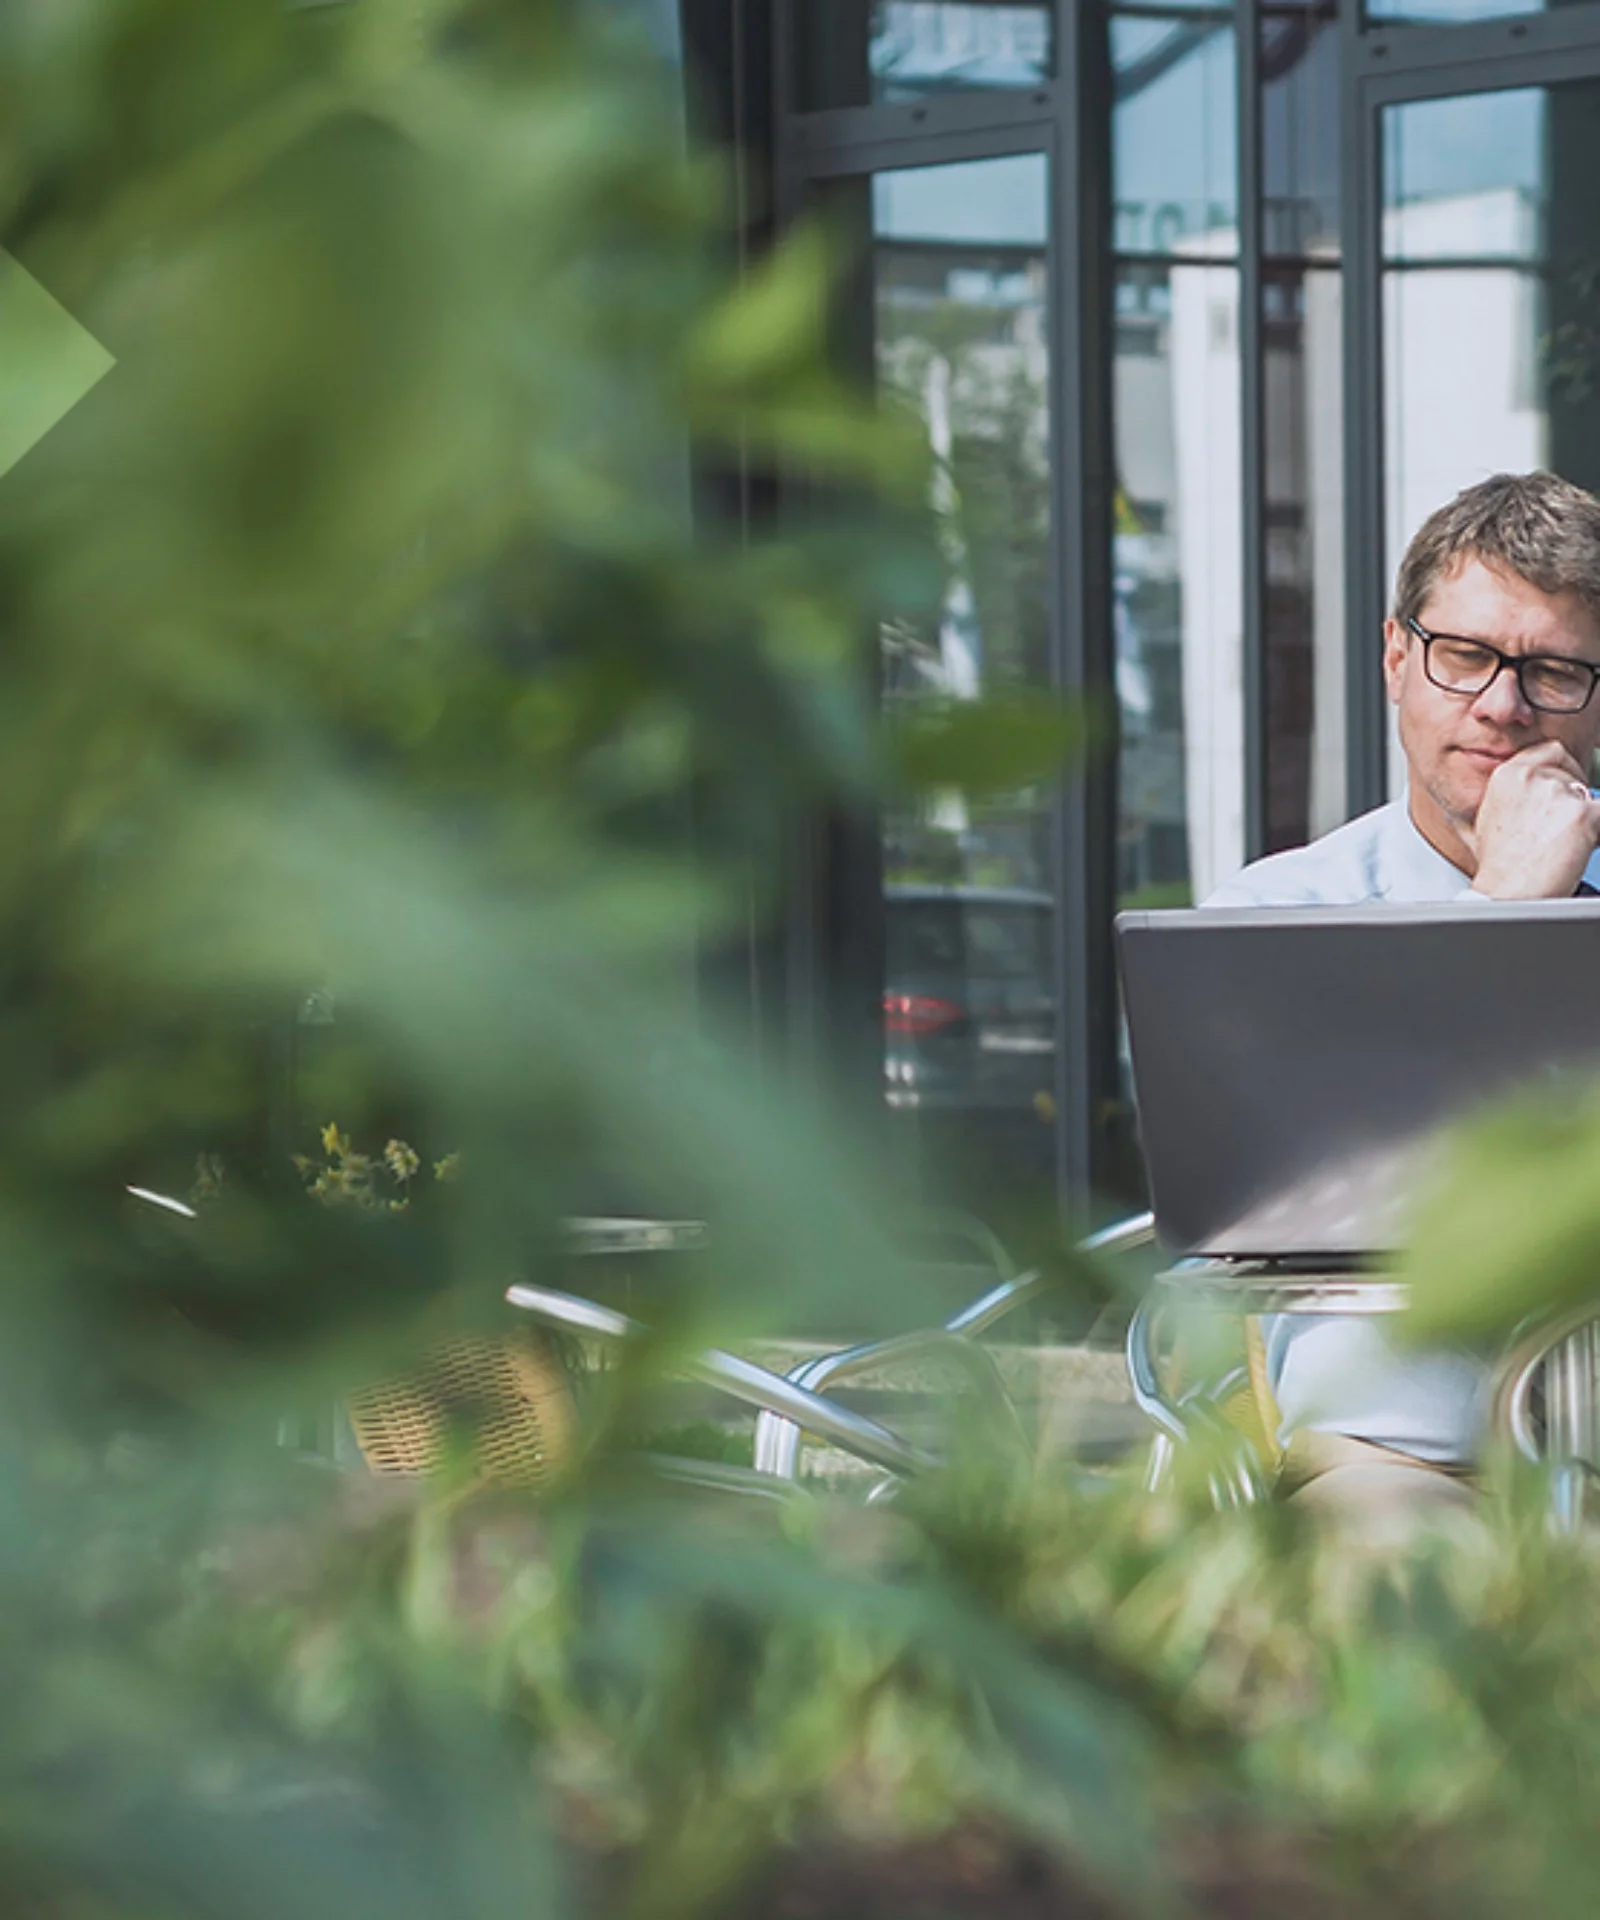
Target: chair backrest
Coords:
[[508, 1398]]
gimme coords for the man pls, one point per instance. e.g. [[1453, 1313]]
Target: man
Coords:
[[1491, 658]]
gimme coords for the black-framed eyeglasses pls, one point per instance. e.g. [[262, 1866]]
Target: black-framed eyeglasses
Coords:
[[1549, 682]]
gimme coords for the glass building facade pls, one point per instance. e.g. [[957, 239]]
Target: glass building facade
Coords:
[[1200, 309]]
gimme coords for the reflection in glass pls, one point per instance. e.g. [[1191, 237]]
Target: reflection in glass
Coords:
[[853, 53], [1419, 12], [998, 203], [960, 316], [1464, 178], [1177, 580], [1174, 140], [1303, 627], [1300, 131]]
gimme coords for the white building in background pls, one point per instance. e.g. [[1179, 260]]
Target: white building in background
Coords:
[[1461, 349], [1180, 589], [1208, 496]]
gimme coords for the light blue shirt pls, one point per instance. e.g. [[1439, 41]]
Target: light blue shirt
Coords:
[[1341, 1374], [1379, 856]]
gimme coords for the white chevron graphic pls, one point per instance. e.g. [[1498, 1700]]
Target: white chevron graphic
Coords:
[[48, 362]]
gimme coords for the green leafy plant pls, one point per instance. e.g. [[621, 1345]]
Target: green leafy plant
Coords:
[[371, 1182], [357, 632]]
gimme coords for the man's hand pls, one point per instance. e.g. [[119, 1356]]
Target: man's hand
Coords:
[[1536, 828]]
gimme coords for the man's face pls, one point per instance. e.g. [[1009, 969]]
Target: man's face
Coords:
[[1453, 742]]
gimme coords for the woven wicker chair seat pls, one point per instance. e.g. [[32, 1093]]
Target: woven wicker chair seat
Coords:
[[507, 1401]]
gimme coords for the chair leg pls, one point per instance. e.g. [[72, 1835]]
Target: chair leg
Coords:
[[1570, 1410], [1159, 1464]]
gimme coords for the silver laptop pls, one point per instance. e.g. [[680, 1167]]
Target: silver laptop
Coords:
[[1293, 1068]]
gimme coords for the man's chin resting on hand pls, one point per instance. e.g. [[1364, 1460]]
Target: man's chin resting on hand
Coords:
[[1536, 827], [1491, 655]]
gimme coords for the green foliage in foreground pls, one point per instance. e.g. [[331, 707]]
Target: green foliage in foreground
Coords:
[[628, 1701], [359, 662]]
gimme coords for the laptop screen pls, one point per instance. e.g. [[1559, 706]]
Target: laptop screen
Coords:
[[1293, 1069]]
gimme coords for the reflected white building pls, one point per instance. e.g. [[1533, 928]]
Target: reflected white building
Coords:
[[1462, 356]]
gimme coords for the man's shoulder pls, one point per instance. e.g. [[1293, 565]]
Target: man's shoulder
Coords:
[[1341, 869]]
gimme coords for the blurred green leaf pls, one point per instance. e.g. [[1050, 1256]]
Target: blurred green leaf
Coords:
[[771, 325], [997, 744], [1511, 1222], [382, 740]]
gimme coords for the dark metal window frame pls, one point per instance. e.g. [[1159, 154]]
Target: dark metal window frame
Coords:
[[1066, 119], [1252, 424], [1384, 66]]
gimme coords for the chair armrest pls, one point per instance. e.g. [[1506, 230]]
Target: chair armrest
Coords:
[[1537, 1342], [980, 1314], [1121, 1236], [1144, 1371], [1235, 1472], [742, 1380], [778, 1439]]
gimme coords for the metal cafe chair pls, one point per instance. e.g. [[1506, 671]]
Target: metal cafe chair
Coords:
[[1234, 1412], [516, 1396], [511, 1394], [514, 1393], [1561, 1355], [778, 1431], [769, 1394], [789, 1406], [1231, 1410]]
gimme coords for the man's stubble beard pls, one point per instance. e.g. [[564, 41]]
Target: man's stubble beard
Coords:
[[1462, 818]]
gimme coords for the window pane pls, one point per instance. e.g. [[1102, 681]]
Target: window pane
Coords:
[[1300, 131], [960, 316], [1178, 584], [1465, 178], [1174, 140], [855, 52], [974, 208]]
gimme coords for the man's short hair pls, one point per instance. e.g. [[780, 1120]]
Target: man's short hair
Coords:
[[1536, 525]]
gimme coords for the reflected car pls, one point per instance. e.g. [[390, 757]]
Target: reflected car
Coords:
[[969, 1018]]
